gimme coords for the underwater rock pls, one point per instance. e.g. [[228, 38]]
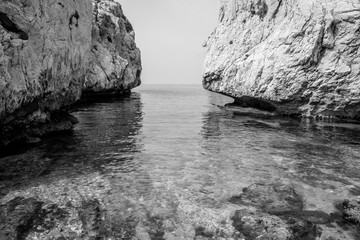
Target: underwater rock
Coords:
[[29, 218], [17, 217], [260, 226], [270, 198], [351, 211], [257, 225]]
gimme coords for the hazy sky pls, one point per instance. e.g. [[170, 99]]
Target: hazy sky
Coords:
[[170, 34]]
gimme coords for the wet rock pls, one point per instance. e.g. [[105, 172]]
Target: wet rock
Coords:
[[257, 225], [115, 65], [43, 63], [49, 214], [155, 228], [270, 198], [51, 54], [301, 228], [201, 232], [260, 226], [90, 215], [29, 218], [351, 211], [290, 57], [18, 217], [316, 217]]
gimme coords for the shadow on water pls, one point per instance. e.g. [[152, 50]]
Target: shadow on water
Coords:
[[107, 133]]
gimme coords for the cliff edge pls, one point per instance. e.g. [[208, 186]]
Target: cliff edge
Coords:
[[115, 65], [50, 53], [290, 57]]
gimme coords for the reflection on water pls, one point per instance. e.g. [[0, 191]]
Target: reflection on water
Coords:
[[164, 163]]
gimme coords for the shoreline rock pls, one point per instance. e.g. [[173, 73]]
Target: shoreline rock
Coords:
[[53, 54], [115, 65], [296, 58], [276, 211]]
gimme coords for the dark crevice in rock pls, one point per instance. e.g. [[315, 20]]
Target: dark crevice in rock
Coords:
[[201, 231], [96, 11], [74, 19], [277, 9], [251, 102], [222, 14], [138, 74], [12, 27], [90, 95]]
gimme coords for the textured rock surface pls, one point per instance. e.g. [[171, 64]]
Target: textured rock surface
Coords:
[[288, 56], [115, 59], [50, 53], [351, 211], [44, 51], [270, 198], [256, 226]]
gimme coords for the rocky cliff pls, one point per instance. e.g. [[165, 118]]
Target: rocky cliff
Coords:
[[51, 52], [292, 57], [115, 60]]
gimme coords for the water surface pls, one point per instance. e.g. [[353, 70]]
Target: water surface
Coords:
[[167, 159]]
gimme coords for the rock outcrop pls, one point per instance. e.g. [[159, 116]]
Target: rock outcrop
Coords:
[[50, 53], [289, 57], [115, 60], [44, 52]]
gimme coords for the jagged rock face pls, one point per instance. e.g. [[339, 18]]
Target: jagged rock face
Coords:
[[288, 56], [51, 53], [44, 52], [115, 59]]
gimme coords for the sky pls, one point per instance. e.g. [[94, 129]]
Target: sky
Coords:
[[170, 34]]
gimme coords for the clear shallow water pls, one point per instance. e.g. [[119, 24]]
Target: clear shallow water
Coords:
[[167, 160]]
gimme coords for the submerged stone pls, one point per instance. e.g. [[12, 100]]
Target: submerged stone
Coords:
[[17, 217], [254, 225], [257, 225], [351, 211], [270, 198]]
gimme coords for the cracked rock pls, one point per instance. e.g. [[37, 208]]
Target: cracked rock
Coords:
[[299, 56]]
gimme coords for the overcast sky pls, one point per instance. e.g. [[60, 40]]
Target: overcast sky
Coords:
[[170, 34]]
